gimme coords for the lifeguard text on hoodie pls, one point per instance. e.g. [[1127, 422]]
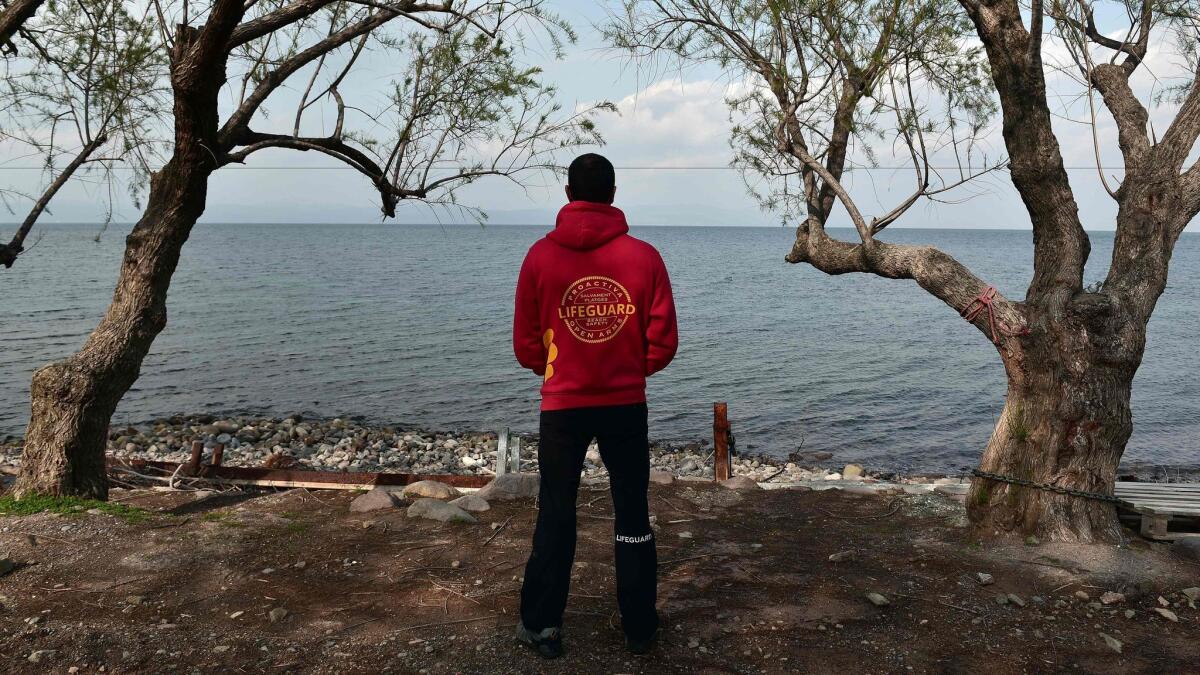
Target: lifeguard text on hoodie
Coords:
[[594, 313]]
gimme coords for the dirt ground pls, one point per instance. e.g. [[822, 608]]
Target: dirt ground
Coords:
[[746, 586]]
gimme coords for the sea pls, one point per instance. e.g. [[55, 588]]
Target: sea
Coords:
[[410, 324]]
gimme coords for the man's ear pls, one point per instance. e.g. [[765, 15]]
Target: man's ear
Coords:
[[612, 197], [569, 197]]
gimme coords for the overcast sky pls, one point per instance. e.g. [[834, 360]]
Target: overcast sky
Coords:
[[669, 142]]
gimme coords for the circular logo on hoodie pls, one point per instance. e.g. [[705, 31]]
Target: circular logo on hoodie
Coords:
[[596, 308]]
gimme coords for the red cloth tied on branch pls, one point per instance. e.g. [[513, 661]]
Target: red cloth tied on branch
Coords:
[[982, 303]]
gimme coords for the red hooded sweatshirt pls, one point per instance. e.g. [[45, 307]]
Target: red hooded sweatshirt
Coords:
[[594, 312]]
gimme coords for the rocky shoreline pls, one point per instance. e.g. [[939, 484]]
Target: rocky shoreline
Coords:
[[347, 445], [352, 444]]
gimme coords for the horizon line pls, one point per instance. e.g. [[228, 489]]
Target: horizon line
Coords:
[[545, 224]]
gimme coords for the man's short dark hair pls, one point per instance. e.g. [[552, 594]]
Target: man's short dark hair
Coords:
[[592, 178]]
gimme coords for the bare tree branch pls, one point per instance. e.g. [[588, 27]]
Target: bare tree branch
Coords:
[[10, 251], [1179, 140], [935, 271], [1061, 247]]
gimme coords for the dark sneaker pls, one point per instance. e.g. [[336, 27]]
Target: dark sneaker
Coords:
[[547, 642], [642, 646]]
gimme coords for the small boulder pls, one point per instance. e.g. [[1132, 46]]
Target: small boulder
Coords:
[[878, 600], [7, 565], [511, 486], [1187, 548], [741, 483], [430, 489], [1113, 643], [1112, 598], [852, 471], [984, 578], [662, 477], [1192, 594], [435, 509], [39, 655], [277, 614], [379, 498], [471, 502], [1167, 614]]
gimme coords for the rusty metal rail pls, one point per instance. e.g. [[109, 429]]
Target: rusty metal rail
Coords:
[[331, 480]]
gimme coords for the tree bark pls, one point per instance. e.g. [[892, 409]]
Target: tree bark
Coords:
[[14, 17], [1065, 423], [74, 399]]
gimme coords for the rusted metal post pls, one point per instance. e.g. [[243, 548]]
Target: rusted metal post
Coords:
[[194, 462], [721, 461], [218, 453]]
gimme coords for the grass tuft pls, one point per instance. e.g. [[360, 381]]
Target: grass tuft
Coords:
[[68, 506]]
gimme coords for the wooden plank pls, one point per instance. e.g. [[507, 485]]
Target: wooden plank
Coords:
[[1156, 493], [1169, 489], [1154, 498], [1160, 495], [1158, 487], [1180, 503], [721, 460], [1173, 509]]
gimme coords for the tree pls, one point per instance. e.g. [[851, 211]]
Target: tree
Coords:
[[461, 107], [83, 97], [826, 73]]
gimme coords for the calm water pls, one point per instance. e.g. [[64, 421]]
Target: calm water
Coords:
[[411, 324]]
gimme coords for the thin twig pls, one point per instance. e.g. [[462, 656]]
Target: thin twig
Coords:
[[117, 585], [694, 557], [498, 529], [446, 623]]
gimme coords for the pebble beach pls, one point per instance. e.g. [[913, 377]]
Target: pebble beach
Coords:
[[353, 446]]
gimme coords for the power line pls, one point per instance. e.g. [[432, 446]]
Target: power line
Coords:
[[619, 168]]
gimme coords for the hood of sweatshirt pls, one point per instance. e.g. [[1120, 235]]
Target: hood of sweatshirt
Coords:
[[584, 226]]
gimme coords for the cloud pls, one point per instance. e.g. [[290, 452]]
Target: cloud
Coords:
[[671, 123]]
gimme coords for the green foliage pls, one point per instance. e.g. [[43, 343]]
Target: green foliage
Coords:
[[888, 75], [1017, 427], [93, 69], [10, 506]]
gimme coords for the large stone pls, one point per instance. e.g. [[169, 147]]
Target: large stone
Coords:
[[1187, 547], [7, 565], [511, 486], [431, 489], [852, 471], [471, 502], [740, 483], [435, 509], [878, 600], [662, 477], [379, 498]]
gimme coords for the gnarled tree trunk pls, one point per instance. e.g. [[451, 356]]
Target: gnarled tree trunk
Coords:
[[74, 399], [1065, 424]]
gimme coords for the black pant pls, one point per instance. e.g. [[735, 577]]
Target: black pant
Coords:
[[565, 435]]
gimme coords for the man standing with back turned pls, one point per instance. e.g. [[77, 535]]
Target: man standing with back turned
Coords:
[[594, 317]]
